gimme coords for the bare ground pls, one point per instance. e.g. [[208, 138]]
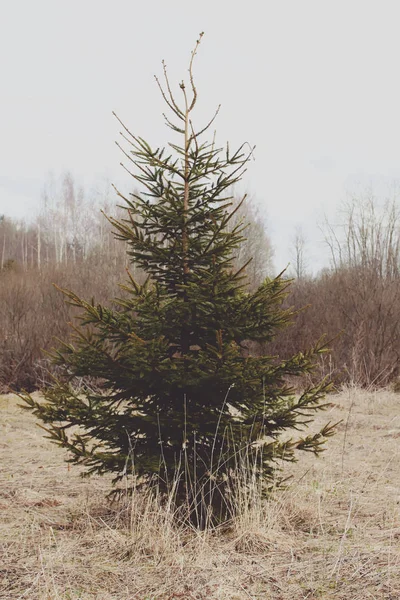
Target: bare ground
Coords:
[[334, 533]]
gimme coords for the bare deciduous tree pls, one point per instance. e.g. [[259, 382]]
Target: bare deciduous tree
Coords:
[[298, 254]]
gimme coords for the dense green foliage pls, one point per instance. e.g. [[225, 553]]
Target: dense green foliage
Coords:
[[181, 398]]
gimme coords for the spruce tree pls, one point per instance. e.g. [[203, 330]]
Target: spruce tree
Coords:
[[181, 399]]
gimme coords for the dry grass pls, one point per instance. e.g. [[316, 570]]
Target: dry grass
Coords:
[[334, 533]]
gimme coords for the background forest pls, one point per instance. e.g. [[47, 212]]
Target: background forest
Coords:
[[355, 302]]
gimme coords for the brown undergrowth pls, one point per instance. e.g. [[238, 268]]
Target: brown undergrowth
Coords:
[[333, 533]]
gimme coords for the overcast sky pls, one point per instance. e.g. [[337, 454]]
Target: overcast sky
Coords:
[[314, 84]]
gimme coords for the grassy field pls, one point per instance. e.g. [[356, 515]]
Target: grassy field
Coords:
[[333, 533]]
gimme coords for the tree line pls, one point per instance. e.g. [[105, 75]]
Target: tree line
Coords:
[[355, 301]]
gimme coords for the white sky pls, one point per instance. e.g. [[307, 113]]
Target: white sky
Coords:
[[314, 84]]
